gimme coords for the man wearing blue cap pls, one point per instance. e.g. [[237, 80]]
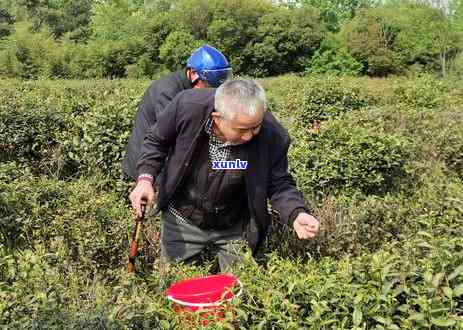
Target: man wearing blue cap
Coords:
[[206, 67]]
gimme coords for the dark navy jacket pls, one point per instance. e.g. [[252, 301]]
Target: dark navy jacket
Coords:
[[169, 145], [155, 99]]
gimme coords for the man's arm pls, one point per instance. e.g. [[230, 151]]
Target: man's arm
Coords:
[[156, 146], [283, 194], [147, 110], [154, 101], [288, 200], [158, 141]]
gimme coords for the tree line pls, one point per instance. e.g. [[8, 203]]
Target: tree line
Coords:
[[80, 39]]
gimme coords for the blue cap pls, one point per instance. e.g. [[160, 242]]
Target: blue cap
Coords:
[[210, 64]]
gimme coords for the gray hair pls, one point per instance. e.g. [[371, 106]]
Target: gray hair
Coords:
[[239, 94]]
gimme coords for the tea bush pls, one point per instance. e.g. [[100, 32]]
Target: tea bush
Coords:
[[308, 100], [98, 139], [379, 160], [355, 223], [424, 92], [408, 286], [346, 157], [78, 219], [67, 130]]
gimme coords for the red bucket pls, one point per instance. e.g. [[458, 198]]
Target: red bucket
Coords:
[[206, 295]]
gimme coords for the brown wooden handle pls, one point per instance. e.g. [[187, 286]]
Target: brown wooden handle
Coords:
[[133, 251]]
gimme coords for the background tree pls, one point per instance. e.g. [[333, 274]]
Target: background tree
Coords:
[[285, 41], [423, 36], [124, 38], [457, 27], [117, 20], [73, 18], [158, 27], [36, 10], [177, 48], [336, 12], [334, 59], [369, 39], [195, 15], [233, 27]]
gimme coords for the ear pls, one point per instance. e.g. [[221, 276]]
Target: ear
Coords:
[[192, 75], [216, 117]]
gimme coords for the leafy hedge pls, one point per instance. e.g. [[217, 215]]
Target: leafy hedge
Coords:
[[67, 130], [383, 170], [77, 219]]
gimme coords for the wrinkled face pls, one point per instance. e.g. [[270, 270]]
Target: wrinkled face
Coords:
[[241, 129]]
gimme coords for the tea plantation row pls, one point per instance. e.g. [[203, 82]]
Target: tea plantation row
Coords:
[[380, 160]]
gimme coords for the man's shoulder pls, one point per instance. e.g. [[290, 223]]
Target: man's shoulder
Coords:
[[197, 95], [194, 104], [172, 83], [192, 101]]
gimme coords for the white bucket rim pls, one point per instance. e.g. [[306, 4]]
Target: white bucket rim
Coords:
[[212, 304]]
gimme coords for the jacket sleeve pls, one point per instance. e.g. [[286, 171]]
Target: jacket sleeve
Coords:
[[147, 111], [283, 193], [158, 141]]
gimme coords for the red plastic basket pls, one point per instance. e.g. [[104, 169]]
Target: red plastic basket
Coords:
[[206, 295]]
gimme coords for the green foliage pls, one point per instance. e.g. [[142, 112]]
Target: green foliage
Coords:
[[458, 66], [73, 17], [60, 17], [9, 64], [345, 158], [38, 55], [6, 20], [98, 143], [29, 136], [234, 26], [113, 58], [391, 38], [333, 59], [176, 49], [458, 16], [194, 15], [389, 254], [116, 20], [423, 35], [65, 133], [285, 41], [369, 38], [157, 29], [29, 52], [335, 12], [76, 217], [424, 92], [123, 38], [310, 100]]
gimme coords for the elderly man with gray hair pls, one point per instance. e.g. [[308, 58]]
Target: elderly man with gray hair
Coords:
[[220, 156]]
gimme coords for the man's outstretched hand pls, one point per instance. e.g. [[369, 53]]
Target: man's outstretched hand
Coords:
[[306, 226], [143, 191]]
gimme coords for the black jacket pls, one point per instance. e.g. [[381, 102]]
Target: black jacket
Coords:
[[169, 145], [155, 99]]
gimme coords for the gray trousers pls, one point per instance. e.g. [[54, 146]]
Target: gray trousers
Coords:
[[181, 241]]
